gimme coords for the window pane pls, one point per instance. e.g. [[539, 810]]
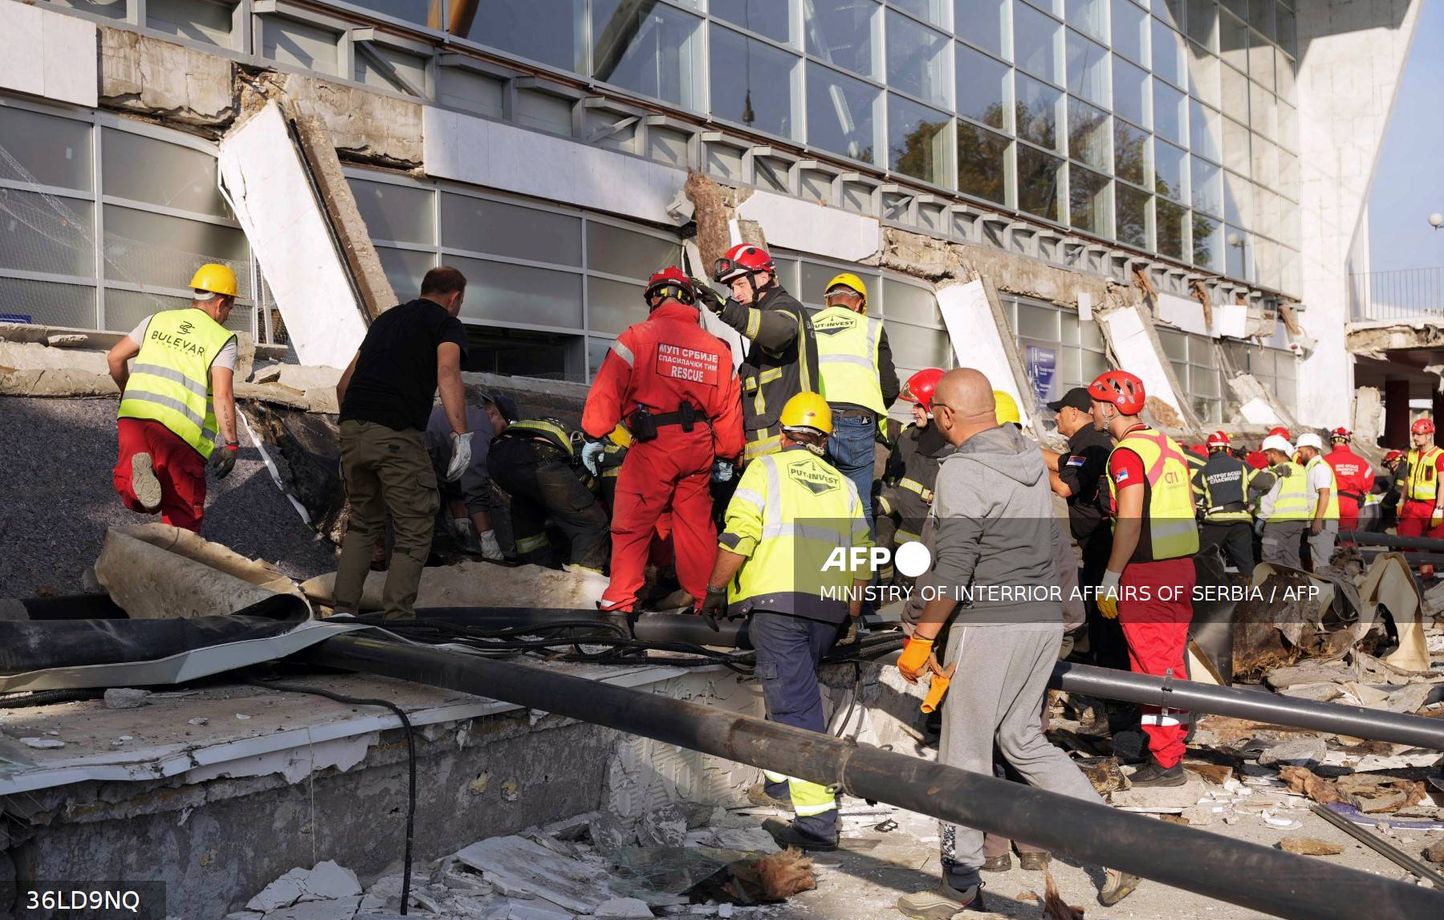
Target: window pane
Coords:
[[1170, 112], [1130, 31], [909, 303], [1207, 187], [1263, 111], [1261, 61], [1236, 147], [1232, 41], [1130, 92], [1090, 208], [1265, 163], [772, 18], [1130, 153], [1168, 54], [981, 156], [1175, 346], [982, 88], [1239, 254], [917, 60], [497, 291], [46, 149], [1170, 165], [141, 247], [768, 69], [48, 304], [1284, 71], [1087, 69], [404, 269], [1170, 218], [1132, 207], [613, 306], [1204, 131], [299, 45], [125, 309], [649, 49], [1088, 134], [1036, 40], [35, 238], [1203, 23], [395, 212], [914, 346], [1091, 363], [1035, 322], [840, 33], [1039, 181], [625, 252], [814, 278], [1261, 16], [934, 11], [1285, 29], [1039, 111], [840, 113], [981, 22], [144, 169], [918, 140], [1203, 76], [542, 30], [1089, 15], [502, 229]]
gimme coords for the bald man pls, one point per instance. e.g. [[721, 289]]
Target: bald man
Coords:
[[994, 535]]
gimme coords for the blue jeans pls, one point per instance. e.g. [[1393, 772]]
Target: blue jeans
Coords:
[[851, 450]]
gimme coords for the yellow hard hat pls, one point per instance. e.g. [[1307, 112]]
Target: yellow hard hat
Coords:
[[807, 410], [850, 281], [620, 436], [218, 279], [1006, 408]]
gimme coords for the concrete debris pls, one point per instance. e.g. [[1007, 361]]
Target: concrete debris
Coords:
[[339, 909], [126, 698], [1106, 776], [746, 839], [43, 743], [1054, 907], [1159, 799], [622, 909], [326, 882], [1216, 774], [476, 584], [1434, 852], [1306, 750], [1309, 846], [663, 827], [1368, 793], [521, 867]]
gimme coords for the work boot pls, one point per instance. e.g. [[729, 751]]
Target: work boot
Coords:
[[788, 836], [1034, 862], [1001, 863], [757, 795], [1117, 886], [143, 482], [1153, 774], [941, 903]]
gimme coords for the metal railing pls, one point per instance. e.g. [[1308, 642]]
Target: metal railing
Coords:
[[1404, 294]]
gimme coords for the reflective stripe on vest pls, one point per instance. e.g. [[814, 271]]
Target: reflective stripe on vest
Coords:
[[542, 430], [1291, 501], [1169, 528], [1331, 511], [847, 357], [171, 380], [1423, 484], [1224, 479]]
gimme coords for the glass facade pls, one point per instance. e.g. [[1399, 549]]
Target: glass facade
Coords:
[[1057, 350]]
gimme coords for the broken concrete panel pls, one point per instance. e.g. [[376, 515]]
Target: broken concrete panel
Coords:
[[269, 188], [791, 223], [1368, 415], [65, 382], [477, 584], [160, 79], [712, 206], [521, 867], [273, 394], [1027, 277], [920, 255], [977, 339], [214, 555], [364, 125], [48, 54], [1257, 405], [1375, 340], [27, 356], [152, 583], [1132, 340]]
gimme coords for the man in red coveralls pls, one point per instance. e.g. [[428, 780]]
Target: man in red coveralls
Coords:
[[674, 386], [1354, 475]]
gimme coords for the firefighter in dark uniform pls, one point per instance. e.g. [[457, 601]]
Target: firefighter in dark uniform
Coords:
[[1225, 522], [906, 496], [533, 461]]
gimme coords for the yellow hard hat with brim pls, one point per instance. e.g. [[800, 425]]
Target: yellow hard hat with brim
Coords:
[[1006, 408], [216, 278], [807, 410], [851, 282]]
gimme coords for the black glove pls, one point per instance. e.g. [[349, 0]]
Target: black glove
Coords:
[[223, 460], [708, 296], [713, 606]]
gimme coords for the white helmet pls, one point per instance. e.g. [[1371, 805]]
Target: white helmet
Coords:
[[1310, 439], [1278, 443]]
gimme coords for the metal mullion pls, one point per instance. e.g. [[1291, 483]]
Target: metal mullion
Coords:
[[619, 279], [54, 191], [96, 174], [748, 33], [408, 247], [586, 304], [18, 274], [490, 323]]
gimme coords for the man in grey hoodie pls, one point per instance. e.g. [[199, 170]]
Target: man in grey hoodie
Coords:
[[995, 532]]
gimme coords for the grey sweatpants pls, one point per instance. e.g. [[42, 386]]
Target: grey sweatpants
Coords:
[[1280, 543], [997, 692], [1321, 545]]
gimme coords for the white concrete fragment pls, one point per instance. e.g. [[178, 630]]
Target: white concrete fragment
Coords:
[[48, 54], [524, 910], [520, 867], [43, 743], [623, 909], [1129, 334], [328, 881], [1258, 412], [791, 223], [340, 909], [977, 340], [126, 698], [283, 892], [748, 839]]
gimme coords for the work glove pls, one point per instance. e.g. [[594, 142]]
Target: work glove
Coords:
[[1108, 595], [592, 457], [460, 456], [223, 459], [937, 689], [914, 658], [708, 296], [723, 471], [714, 605]]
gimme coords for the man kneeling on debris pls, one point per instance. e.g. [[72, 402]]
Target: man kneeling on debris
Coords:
[[994, 529]]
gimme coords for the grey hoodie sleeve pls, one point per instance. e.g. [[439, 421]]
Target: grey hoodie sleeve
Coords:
[[958, 509]]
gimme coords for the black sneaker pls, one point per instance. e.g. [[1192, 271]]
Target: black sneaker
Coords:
[[1152, 775], [788, 836]]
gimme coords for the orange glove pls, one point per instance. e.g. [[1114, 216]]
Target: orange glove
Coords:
[[914, 658], [937, 688]]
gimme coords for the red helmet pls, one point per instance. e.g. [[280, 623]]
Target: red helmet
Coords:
[[742, 259], [1120, 388], [1423, 426], [1218, 439], [1392, 456], [1281, 431], [670, 282], [1341, 434], [921, 386]]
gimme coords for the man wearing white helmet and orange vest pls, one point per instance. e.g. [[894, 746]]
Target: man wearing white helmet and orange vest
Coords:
[[1150, 578], [1354, 476], [174, 402], [1285, 508], [1422, 511], [1324, 495]]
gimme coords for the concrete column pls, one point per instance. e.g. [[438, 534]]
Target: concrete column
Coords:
[[1396, 413]]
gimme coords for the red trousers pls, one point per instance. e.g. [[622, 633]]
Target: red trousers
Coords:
[[1414, 519], [179, 467], [1348, 514], [672, 473], [1154, 609]]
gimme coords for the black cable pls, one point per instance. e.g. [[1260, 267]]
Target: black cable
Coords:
[[410, 756], [46, 698]]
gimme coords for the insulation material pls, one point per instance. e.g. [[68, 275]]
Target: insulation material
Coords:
[[48, 54], [977, 340], [265, 181], [1186, 313], [1131, 340], [808, 227], [1258, 412]]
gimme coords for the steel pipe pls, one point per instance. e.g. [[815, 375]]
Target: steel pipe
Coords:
[[1371, 538], [1241, 873]]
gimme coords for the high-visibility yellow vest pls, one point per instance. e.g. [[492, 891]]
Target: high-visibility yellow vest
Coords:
[[1169, 528], [1423, 482], [790, 514], [847, 357], [1292, 501], [170, 381], [1331, 511]]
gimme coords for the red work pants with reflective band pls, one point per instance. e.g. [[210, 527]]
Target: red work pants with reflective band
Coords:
[[1155, 607], [671, 472], [1415, 518], [180, 469]]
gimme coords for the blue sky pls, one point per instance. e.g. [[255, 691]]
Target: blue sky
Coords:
[[1409, 178]]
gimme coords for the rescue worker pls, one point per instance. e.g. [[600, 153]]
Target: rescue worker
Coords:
[[792, 516], [410, 352], [1225, 523], [782, 360], [994, 526], [858, 379], [907, 492], [1284, 509], [1324, 499], [1150, 578], [174, 402], [1353, 475], [1386, 494], [466, 503], [1422, 510], [533, 460], [674, 385]]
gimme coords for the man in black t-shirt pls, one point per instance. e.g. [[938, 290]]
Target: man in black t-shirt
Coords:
[[385, 395]]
